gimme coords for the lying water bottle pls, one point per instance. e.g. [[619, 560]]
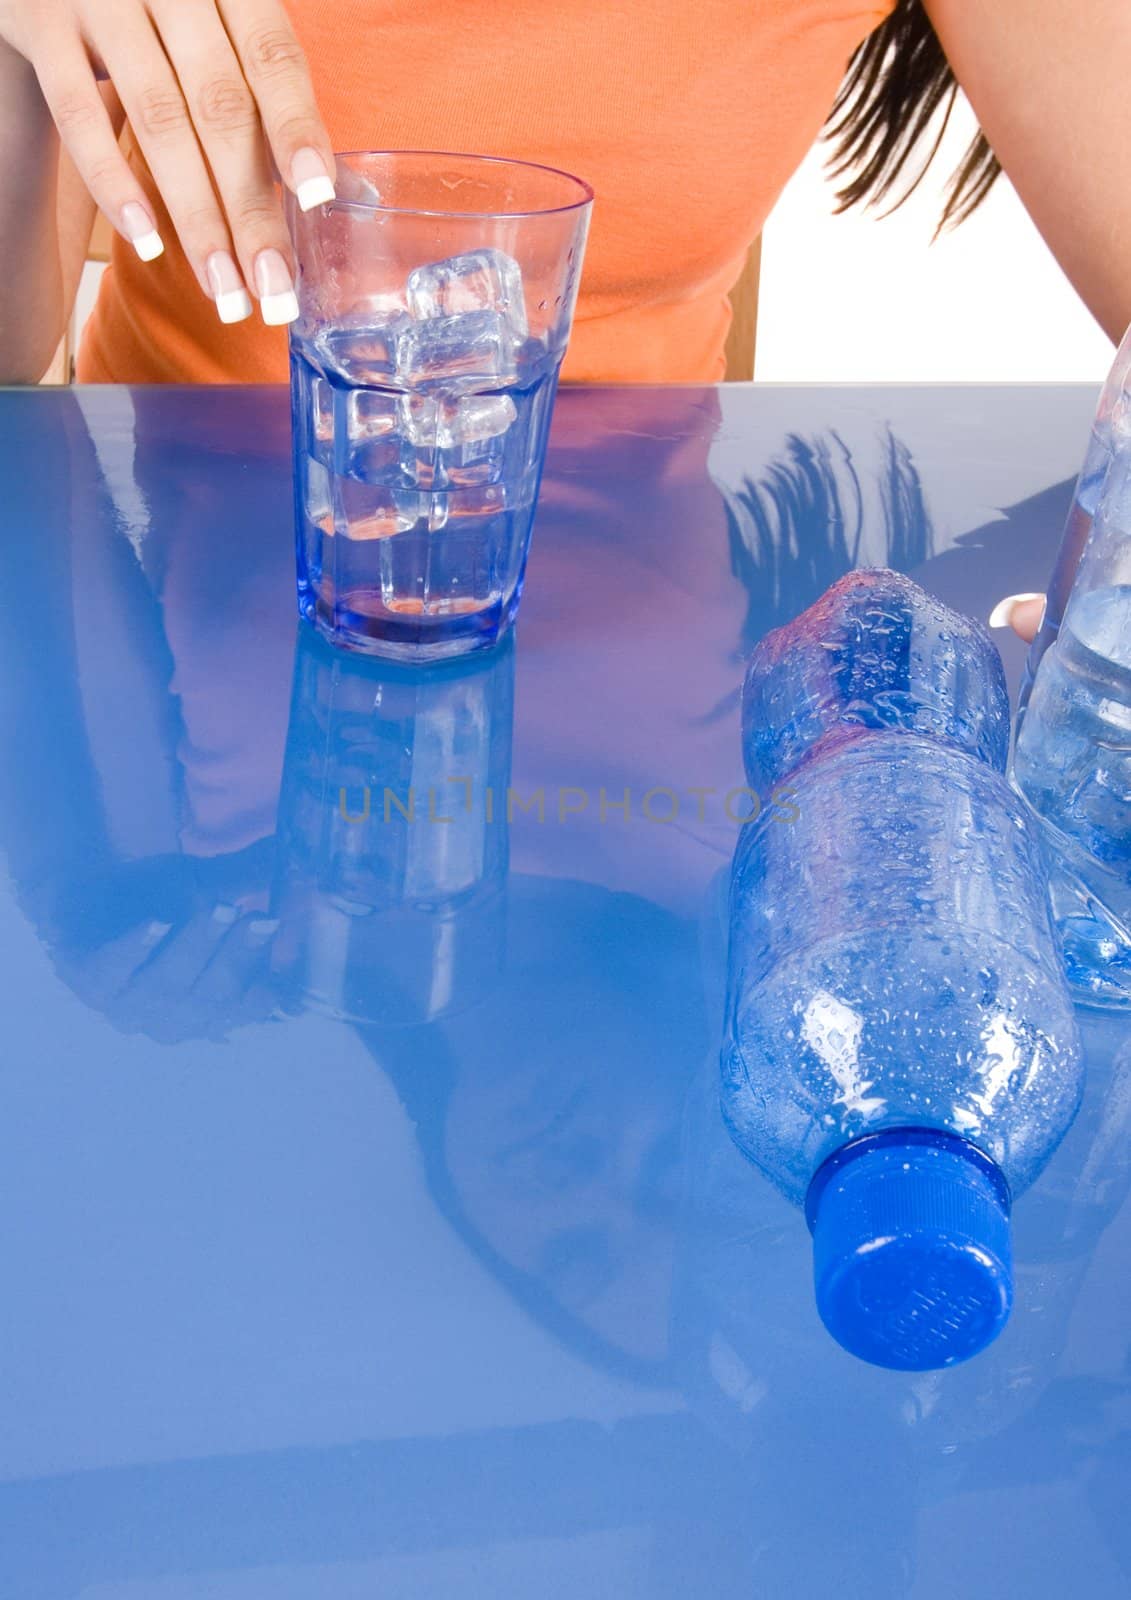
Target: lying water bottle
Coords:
[[1072, 754], [901, 1054], [1101, 448]]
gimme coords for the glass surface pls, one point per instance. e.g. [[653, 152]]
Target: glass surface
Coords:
[[436, 295], [480, 1302]]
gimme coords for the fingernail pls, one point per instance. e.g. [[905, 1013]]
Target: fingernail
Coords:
[[1002, 613], [156, 931], [233, 303], [225, 915], [141, 233], [313, 184], [278, 303], [262, 929]]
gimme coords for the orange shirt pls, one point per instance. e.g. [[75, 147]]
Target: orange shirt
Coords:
[[686, 116]]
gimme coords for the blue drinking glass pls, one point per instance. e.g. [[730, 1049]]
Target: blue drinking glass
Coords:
[[436, 295]]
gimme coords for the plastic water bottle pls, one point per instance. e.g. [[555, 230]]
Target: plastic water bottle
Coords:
[[1101, 448], [1072, 756], [901, 1054]]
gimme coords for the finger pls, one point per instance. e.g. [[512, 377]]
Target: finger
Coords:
[[196, 986], [106, 971], [276, 72], [163, 128], [226, 119], [178, 962], [1025, 618], [84, 125], [1021, 612], [241, 958]]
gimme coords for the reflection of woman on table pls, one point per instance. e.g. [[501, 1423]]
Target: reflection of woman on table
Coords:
[[146, 864], [153, 860], [186, 806]]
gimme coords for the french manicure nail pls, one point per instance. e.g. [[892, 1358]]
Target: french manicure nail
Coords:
[[233, 303], [1002, 613], [155, 932], [262, 929], [224, 915], [313, 184], [278, 303], [141, 233]]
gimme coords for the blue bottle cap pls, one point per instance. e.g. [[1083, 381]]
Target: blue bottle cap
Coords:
[[911, 1249]]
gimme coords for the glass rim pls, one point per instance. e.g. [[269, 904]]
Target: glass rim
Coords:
[[586, 198]]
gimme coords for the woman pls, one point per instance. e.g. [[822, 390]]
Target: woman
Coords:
[[687, 120]]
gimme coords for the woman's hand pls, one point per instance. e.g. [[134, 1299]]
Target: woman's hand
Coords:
[[196, 980], [1021, 612], [213, 89]]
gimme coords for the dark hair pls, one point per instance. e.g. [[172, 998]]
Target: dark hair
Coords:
[[896, 82]]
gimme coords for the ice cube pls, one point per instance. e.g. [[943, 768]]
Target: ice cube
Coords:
[[474, 434], [368, 445], [364, 354], [371, 414], [455, 442], [421, 458], [471, 344], [316, 491], [419, 418], [481, 280], [321, 420], [377, 511], [475, 417], [451, 422]]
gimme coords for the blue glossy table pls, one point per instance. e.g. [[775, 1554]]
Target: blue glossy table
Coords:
[[367, 1227]]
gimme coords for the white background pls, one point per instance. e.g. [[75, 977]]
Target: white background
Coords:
[[853, 299]]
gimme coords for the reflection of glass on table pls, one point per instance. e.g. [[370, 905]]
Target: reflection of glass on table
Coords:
[[392, 839]]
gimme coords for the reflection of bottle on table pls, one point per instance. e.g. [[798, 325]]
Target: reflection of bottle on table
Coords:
[[817, 1441], [393, 842], [1057, 1231]]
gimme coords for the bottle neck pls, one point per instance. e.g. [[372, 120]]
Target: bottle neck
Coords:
[[934, 1138]]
